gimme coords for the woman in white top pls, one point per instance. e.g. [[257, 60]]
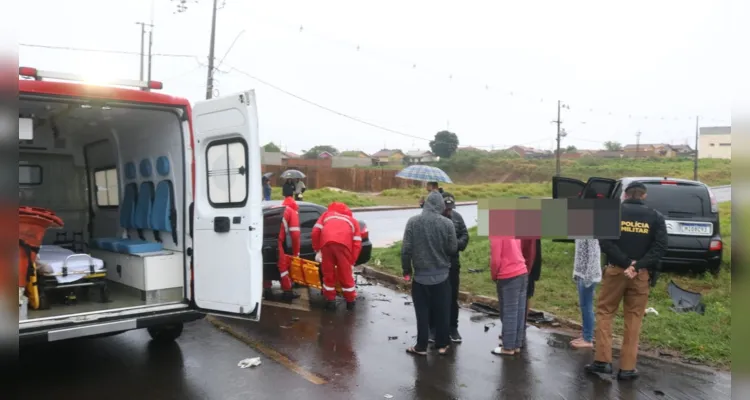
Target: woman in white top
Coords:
[[587, 272]]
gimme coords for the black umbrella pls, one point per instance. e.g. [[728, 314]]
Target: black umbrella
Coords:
[[292, 174]]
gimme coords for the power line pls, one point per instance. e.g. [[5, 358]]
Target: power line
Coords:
[[322, 107], [90, 50]]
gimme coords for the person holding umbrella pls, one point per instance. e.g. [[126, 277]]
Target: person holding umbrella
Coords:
[[293, 186]]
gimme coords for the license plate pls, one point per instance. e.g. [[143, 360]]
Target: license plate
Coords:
[[698, 229]]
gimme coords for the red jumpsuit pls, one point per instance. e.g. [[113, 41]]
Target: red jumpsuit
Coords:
[[336, 235], [290, 225]]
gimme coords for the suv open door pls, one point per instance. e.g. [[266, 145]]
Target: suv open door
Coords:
[[228, 217], [569, 188]]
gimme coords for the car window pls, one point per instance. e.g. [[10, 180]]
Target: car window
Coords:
[[681, 200], [307, 220], [271, 225], [566, 189]]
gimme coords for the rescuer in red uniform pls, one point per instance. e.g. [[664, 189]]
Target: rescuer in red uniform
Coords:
[[337, 237], [290, 226]]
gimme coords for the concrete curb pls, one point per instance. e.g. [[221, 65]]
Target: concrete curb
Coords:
[[397, 208], [466, 297]]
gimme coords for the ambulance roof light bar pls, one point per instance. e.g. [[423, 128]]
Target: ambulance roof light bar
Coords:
[[40, 75]]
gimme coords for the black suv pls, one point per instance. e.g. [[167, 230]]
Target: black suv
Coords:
[[308, 216], [689, 207]]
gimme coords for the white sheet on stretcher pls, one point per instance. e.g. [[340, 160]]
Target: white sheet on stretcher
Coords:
[[51, 259]]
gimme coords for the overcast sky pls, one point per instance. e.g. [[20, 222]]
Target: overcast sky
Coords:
[[489, 71]]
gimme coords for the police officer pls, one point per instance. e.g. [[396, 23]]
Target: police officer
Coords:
[[631, 265]]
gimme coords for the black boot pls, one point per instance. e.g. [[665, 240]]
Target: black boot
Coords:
[[599, 367], [330, 305], [350, 305], [625, 375], [268, 294], [455, 336], [290, 295]]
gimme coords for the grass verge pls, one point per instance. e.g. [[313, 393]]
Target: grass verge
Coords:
[[704, 338]]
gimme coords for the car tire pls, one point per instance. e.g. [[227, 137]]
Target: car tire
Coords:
[[714, 269], [165, 333]]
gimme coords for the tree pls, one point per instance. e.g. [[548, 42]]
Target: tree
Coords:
[[613, 146], [271, 147], [571, 149], [445, 144], [314, 152]]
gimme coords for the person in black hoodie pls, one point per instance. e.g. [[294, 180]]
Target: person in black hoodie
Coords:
[[288, 189]]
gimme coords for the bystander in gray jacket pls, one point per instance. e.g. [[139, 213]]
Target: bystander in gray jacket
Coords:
[[429, 243]]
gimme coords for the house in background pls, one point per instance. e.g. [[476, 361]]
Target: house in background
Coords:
[[715, 142], [388, 157], [530, 152], [285, 155], [354, 153], [325, 155], [420, 157]]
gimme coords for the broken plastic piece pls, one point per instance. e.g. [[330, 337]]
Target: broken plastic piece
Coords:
[[685, 300], [249, 362]]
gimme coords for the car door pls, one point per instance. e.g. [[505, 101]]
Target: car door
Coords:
[[566, 188], [271, 227], [227, 218]]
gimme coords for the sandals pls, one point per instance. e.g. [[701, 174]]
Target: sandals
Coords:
[[500, 351], [413, 350], [581, 344]]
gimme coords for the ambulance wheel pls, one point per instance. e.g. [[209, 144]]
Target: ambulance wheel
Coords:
[[165, 333]]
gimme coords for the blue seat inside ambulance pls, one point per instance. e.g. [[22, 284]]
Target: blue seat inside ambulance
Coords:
[[162, 212], [127, 210], [140, 217]]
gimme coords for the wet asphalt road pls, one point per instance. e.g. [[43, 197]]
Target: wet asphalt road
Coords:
[[387, 227], [341, 355]]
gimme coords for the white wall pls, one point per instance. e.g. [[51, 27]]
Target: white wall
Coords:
[[715, 146]]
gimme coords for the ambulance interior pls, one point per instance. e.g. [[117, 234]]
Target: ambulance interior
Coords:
[[115, 175]]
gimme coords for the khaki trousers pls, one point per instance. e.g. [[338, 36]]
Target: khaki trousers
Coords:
[[614, 288]]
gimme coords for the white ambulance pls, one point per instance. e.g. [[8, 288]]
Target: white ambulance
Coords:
[[162, 219]]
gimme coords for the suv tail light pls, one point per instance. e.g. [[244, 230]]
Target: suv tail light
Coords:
[[715, 245], [714, 203], [363, 232]]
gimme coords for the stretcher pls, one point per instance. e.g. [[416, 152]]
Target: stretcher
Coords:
[[61, 269], [307, 273]]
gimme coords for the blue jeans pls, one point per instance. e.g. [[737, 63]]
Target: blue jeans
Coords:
[[586, 300]]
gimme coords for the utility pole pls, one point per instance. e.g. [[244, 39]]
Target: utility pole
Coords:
[[210, 79], [150, 46], [143, 37], [695, 152], [637, 143], [182, 7], [143, 50], [560, 134]]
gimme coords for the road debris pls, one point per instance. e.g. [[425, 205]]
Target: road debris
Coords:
[[475, 271], [392, 337], [407, 303], [388, 396], [487, 326], [652, 310], [249, 362]]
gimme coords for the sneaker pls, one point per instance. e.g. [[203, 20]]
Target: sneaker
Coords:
[[350, 305], [455, 336], [624, 375], [290, 295], [599, 367]]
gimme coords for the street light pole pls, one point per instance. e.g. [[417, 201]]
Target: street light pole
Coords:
[[695, 152]]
